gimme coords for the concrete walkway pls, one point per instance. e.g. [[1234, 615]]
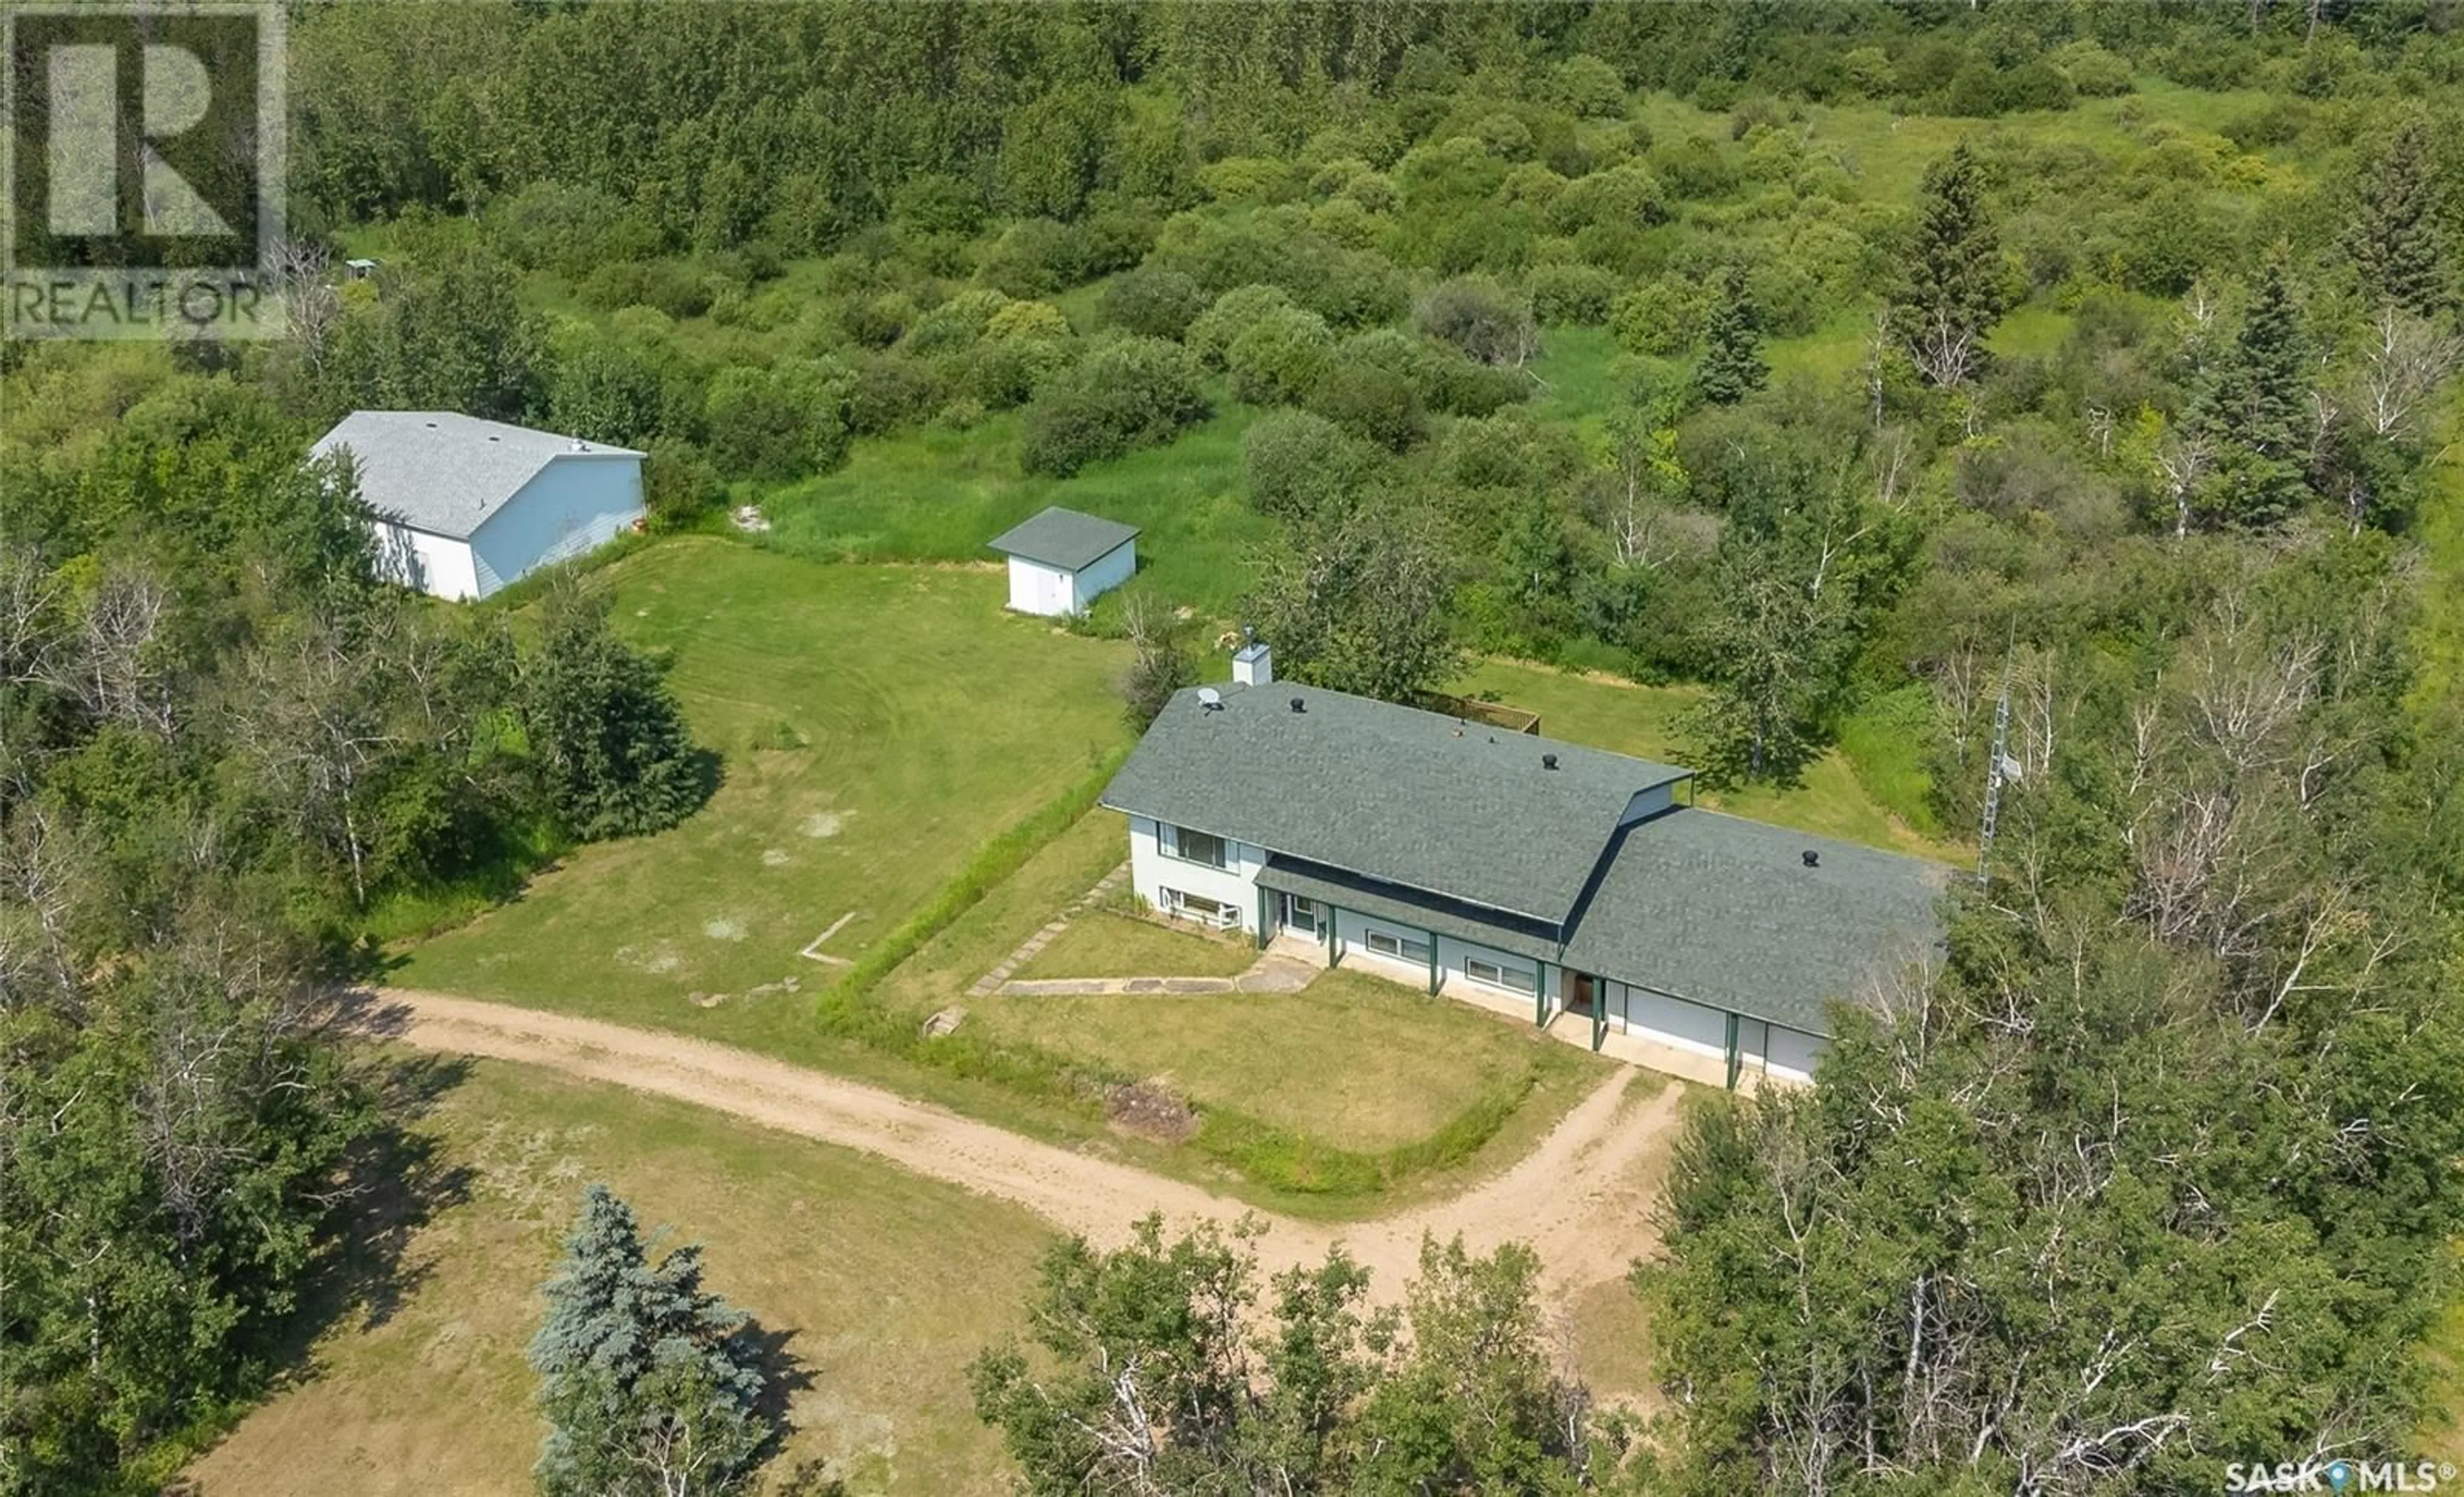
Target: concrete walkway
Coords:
[[1274, 972], [993, 982]]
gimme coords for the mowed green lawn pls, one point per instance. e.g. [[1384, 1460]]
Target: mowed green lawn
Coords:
[[885, 1285], [1105, 943], [1352, 1061], [1829, 799], [939, 494], [877, 725]]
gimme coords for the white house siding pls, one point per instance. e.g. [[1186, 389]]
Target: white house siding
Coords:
[[1649, 802], [1102, 575], [1037, 589], [578, 501], [1152, 871], [436, 564], [1793, 1054], [1668, 1021]]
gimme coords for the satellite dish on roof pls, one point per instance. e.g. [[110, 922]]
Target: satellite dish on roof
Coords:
[[1209, 699]]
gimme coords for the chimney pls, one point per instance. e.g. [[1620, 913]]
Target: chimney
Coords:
[[1253, 664]]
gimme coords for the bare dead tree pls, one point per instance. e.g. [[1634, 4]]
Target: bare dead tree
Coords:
[[2403, 365]]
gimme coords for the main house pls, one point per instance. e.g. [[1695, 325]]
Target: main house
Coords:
[[1530, 875], [463, 506]]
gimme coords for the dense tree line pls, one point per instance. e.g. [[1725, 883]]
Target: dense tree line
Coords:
[[2154, 1175], [226, 751]]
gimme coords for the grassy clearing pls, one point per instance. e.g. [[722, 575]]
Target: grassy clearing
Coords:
[[1354, 1062], [877, 726], [1105, 943], [1830, 800], [852, 1259], [939, 494]]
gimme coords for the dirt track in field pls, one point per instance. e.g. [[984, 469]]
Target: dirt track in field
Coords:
[[1582, 1198]]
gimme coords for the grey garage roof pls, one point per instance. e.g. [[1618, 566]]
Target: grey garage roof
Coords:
[[1388, 793], [1065, 538], [1724, 911], [445, 473]]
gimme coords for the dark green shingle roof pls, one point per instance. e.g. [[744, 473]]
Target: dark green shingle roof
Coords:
[[1065, 538], [1724, 912], [1409, 908], [1389, 793]]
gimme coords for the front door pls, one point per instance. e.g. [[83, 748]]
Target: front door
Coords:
[[1301, 914], [1582, 994]]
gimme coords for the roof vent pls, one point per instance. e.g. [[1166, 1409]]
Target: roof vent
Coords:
[[1298, 705], [580, 446], [1813, 859], [1547, 761], [431, 425]]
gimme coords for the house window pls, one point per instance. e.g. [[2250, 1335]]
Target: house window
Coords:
[[1516, 979], [1197, 907], [1387, 944], [1201, 847]]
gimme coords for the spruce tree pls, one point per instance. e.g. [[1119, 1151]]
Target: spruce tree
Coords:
[[2250, 408], [1732, 365], [1950, 295], [2394, 239], [607, 736], [648, 1382]]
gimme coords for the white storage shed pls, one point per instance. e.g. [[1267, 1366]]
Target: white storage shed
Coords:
[[1061, 561]]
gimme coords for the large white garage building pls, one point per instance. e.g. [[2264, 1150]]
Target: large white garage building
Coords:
[[463, 506]]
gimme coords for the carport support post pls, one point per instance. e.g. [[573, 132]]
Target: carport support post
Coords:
[[1540, 997], [1599, 1011], [1333, 937], [1733, 1051], [1263, 897], [1433, 964]]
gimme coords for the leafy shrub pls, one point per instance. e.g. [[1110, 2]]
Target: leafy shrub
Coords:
[[2093, 70], [1127, 392], [1694, 168], [1211, 334], [1586, 88], [679, 486], [570, 231], [1033, 257], [673, 286], [955, 324], [783, 422], [1628, 195], [1372, 400], [1482, 320], [1566, 295], [1662, 317], [1153, 302], [1277, 358], [1004, 372], [1300, 465], [891, 391]]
